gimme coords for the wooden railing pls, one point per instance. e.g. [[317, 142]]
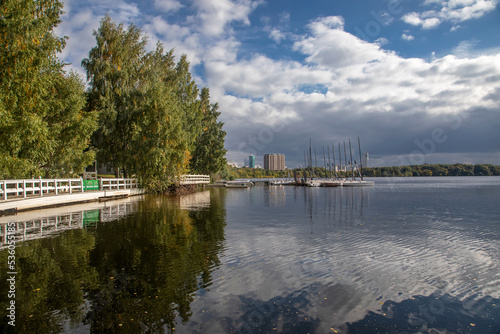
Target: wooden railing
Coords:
[[112, 184], [195, 179], [10, 189], [40, 187]]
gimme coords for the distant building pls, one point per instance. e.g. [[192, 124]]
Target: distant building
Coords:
[[274, 161], [251, 161], [366, 159], [232, 164]]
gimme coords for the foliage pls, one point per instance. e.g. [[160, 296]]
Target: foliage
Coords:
[[43, 129], [208, 156], [153, 122]]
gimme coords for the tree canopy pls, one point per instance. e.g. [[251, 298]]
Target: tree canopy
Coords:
[[142, 114], [154, 122], [44, 130]]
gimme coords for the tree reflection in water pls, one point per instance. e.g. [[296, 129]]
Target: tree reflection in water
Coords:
[[137, 274]]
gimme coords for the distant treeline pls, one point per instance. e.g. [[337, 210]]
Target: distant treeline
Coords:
[[395, 171], [434, 170]]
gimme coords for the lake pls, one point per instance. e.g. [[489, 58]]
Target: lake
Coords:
[[408, 255]]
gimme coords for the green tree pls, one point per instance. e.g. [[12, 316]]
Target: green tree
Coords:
[[160, 139], [209, 153], [43, 129], [115, 72]]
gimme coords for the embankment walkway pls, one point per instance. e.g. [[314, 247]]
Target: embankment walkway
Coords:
[[30, 194]]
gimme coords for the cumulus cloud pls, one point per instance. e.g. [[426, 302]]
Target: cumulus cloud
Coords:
[[213, 16], [338, 87], [453, 11], [407, 37], [168, 5], [365, 90]]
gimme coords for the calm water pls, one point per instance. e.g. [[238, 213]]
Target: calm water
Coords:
[[408, 255]]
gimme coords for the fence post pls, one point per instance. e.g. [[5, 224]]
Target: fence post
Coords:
[[55, 186], [69, 185], [41, 186], [81, 183], [24, 188], [4, 190]]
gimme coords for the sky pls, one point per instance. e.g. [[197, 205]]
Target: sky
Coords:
[[417, 81]]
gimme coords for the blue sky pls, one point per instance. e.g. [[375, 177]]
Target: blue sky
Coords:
[[418, 81]]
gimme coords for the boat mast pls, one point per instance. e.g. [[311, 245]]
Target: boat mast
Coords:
[[310, 159], [340, 157], [333, 152], [329, 161], [315, 161], [360, 160], [352, 165], [324, 159], [345, 159]]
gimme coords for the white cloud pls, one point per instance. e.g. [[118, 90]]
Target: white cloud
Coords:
[[343, 87], [453, 11], [329, 45], [168, 5], [407, 37], [213, 16]]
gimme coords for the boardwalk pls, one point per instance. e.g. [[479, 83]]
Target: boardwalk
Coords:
[[19, 195]]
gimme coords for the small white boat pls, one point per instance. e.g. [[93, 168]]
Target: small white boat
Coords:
[[313, 183], [238, 184], [357, 183], [331, 183], [281, 182]]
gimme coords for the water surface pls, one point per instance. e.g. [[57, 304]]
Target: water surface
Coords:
[[407, 255]]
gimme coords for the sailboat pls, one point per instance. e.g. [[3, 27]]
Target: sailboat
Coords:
[[353, 182]]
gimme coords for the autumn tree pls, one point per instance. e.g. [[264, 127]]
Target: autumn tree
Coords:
[[43, 128]]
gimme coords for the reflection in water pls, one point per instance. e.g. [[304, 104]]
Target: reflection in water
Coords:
[[45, 223], [137, 274], [393, 258]]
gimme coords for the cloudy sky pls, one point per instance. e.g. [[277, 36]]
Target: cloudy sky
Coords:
[[417, 80]]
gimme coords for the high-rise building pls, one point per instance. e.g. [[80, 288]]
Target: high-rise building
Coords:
[[366, 159], [251, 161], [274, 161]]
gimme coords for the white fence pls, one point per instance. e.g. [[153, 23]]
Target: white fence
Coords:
[[195, 179], [10, 189], [112, 184], [40, 187]]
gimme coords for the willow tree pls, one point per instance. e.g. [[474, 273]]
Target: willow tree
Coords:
[[43, 128]]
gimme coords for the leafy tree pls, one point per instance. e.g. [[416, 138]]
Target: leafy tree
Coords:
[[115, 70], [160, 140], [209, 154], [43, 130]]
